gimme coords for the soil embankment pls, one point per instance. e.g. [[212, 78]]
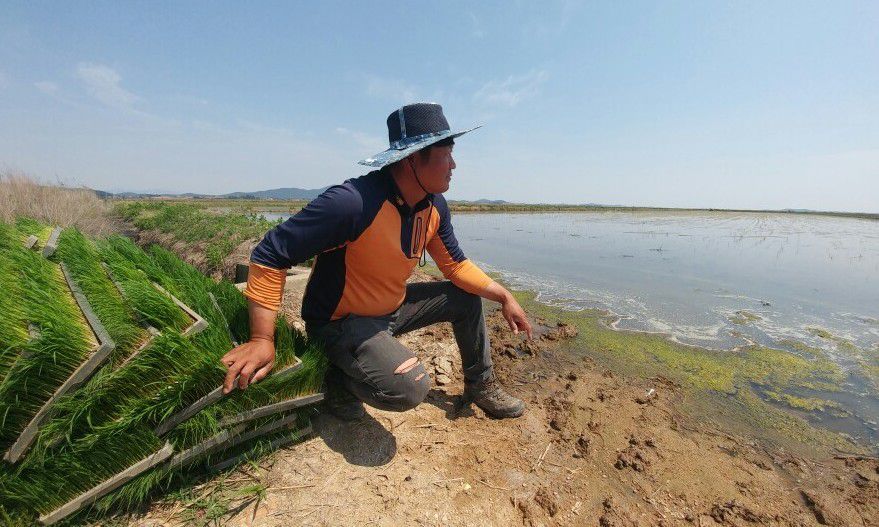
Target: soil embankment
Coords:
[[594, 448]]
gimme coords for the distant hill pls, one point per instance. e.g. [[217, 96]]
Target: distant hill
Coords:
[[286, 193]]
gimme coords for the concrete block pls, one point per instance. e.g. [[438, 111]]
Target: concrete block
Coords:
[[52, 243]]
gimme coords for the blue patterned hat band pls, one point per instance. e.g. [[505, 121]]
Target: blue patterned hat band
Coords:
[[411, 128]]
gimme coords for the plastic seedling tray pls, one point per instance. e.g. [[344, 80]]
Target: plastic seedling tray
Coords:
[[30, 242]]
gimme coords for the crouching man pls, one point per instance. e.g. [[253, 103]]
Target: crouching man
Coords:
[[367, 235]]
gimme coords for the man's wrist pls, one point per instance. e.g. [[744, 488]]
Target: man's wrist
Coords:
[[266, 338]]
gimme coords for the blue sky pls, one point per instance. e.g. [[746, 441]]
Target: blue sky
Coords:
[[701, 104]]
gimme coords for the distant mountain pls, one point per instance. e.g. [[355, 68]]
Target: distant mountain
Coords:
[[286, 193]]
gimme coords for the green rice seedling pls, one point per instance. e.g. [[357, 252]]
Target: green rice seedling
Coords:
[[164, 479], [109, 403], [109, 423], [34, 487], [84, 263], [30, 226], [13, 323], [48, 360], [151, 306]]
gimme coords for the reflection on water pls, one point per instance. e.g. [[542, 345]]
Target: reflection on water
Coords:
[[713, 279]]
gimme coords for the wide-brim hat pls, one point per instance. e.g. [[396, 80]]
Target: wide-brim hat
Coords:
[[411, 128]]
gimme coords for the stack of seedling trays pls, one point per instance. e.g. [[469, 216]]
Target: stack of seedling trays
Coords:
[[110, 379]]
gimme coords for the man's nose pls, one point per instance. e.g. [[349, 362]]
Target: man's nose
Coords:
[[452, 165]]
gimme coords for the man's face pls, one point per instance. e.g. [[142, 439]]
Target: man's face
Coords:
[[435, 170]]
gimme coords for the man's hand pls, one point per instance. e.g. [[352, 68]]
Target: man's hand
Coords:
[[515, 316], [250, 362], [512, 311]]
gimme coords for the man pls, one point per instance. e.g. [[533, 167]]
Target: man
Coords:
[[368, 234]]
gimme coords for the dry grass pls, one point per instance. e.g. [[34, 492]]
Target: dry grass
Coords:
[[53, 205]]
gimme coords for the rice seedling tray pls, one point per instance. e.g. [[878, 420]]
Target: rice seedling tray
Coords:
[[274, 445], [270, 409], [199, 324], [108, 485], [103, 345], [168, 424], [30, 242]]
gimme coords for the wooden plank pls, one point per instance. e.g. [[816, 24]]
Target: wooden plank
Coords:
[[108, 486], [168, 424], [269, 409], [274, 445], [30, 242], [79, 376], [52, 244], [199, 324]]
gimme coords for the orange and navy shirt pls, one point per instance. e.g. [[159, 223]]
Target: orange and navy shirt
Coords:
[[367, 242]]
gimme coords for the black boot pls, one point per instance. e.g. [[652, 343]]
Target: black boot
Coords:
[[492, 398], [338, 400]]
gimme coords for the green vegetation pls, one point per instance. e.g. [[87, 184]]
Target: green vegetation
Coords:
[[722, 385], [214, 235], [62, 338], [108, 424]]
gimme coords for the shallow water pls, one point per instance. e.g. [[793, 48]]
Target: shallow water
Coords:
[[713, 279]]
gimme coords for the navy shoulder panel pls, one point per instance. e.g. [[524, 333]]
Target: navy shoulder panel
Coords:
[[339, 215], [445, 231]]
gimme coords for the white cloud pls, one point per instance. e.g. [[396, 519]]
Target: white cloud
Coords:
[[512, 90], [46, 87], [103, 83], [396, 90]]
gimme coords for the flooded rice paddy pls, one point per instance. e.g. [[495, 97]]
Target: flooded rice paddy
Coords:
[[715, 280]]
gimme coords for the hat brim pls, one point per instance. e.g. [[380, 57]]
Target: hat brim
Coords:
[[392, 155]]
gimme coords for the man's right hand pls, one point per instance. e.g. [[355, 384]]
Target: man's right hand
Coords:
[[250, 362]]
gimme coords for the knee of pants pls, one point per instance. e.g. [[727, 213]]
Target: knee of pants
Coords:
[[411, 391]]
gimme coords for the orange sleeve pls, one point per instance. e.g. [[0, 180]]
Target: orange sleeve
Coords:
[[265, 285], [464, 274]]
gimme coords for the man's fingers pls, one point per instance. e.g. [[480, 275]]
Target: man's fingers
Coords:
[[244, 377], [262, 372], [233, 371]]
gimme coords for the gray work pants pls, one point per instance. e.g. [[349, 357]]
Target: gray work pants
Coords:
[[364, 352]]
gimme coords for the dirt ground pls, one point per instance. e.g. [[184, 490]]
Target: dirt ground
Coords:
[[593, 448]]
